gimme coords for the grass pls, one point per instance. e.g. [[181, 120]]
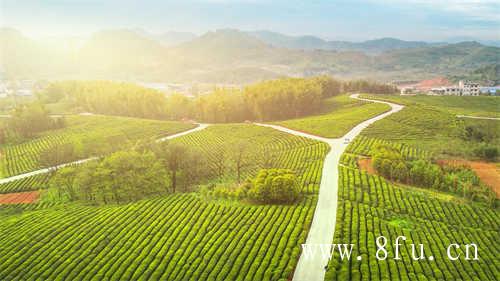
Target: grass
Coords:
[[338, 115], [90, 135]]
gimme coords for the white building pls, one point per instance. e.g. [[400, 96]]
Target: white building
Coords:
[[464, 88], [468, 88]]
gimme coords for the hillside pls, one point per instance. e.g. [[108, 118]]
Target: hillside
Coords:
[[309, 42], [232, 56]]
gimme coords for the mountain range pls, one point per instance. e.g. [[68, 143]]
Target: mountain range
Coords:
[[233, 56]]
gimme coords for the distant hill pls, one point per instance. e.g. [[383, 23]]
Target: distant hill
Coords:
[[172, 38], [312, 42], [232, 56], [488, 75]]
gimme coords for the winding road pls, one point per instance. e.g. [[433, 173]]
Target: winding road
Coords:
[[312, 268], [47, 170]]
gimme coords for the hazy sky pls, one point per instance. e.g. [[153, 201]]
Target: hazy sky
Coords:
[[353, 20]]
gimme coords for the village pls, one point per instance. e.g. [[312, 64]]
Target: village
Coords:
[[443, 87]]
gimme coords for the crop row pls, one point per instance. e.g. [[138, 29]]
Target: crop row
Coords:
[[364, 145], [370, 206], [179, 237], [25, 184], [89, 135], [264, 148]]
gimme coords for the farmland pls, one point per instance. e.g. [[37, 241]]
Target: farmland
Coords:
[[340, 114], [26, 184], [90, 135], [176, 237], [370, 206], [458, 105], [434, 129], [265, 148]]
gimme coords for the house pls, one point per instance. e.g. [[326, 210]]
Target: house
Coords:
[[468, 88], [464, 88]]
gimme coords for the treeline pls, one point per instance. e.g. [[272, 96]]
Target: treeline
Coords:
[[27, 120], [270, 100], [390, 163], [130, 175], [107, 97]]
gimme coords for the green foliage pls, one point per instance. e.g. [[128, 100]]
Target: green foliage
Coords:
[[487, 152], [122, 177], [369, 207], [488, 74], [177, 237], [106, 97], [249, 148], [86, 136], [390, 163], [273, 186], [28, 120], [430, 123], [339, 115], [26, 184]]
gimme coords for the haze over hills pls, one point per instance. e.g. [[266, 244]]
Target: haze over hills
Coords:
[[311, 42], [233, 56]]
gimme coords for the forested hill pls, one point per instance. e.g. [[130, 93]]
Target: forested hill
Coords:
[[230, 56]]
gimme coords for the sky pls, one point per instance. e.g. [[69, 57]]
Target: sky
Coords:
[[430, 20]]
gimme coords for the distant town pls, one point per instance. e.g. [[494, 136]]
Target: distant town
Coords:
[[437, 86], [443, 87], [27, 88]]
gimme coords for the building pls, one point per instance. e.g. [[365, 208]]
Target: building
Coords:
[[468, 88], [464, 88]]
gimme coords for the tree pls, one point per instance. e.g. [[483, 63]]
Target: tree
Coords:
[[400, 172], [173, 157], [273, 186], [58, 154], [239, 157]]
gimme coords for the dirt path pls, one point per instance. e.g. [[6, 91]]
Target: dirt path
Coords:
[[478, 117], [312, 268], [19, 197]]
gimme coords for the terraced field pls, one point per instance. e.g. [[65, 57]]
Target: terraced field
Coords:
[[370, 206], [90, 135], [264, 146], [432, 129], [484, 106], [178, 237], [340, 114], [26, 184]]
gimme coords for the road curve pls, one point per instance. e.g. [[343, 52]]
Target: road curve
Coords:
[[47, 170], [312, 268]]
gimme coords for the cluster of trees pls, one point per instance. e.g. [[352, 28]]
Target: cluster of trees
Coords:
[[484, 136], [270, 186], [107, 97], [131, 175], [270, 100], [390, 163], [27, 120]]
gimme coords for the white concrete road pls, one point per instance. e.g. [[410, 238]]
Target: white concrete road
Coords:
[[312, 268], [47, 170], [478, 117]]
